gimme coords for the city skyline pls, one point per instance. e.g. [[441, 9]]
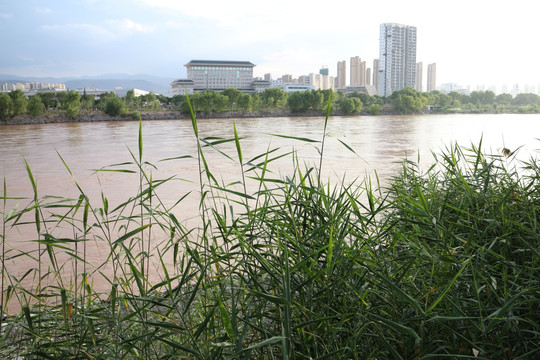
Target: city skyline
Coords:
[[474, 44]]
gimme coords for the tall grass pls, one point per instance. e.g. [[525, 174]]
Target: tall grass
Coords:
[[438, 264]]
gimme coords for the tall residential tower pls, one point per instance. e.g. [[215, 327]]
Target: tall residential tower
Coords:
[[431, 77], [397, 56], [419, 71], [341, 74], [376, 74], [358, 71]]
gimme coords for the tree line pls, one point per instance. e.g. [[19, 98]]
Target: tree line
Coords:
[[405, 101]]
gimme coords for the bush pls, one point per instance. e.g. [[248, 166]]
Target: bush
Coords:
[[115, 106], [351, 105], [374, 109], [6, 106], [35, 106], [135, 115]]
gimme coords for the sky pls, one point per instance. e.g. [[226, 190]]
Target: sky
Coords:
[[473, 42]]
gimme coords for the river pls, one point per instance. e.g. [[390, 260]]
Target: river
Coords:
[[373, 144]]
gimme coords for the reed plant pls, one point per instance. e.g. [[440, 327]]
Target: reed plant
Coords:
[[441, 263]]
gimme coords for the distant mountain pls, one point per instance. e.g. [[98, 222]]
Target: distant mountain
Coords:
[[16, 78], [119, 83]]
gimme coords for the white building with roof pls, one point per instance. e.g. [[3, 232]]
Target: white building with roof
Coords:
[[182, 87], [219, 75]]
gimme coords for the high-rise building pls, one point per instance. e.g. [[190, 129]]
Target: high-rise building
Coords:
[[368, 76], [341, 74], [363, 73], [317, 81], [376, 74], [358, 71], [355, 70], [418, 82], [287, 78], [431, 77], [397, 55]]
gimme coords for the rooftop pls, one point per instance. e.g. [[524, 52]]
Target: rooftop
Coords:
[[219, 62]]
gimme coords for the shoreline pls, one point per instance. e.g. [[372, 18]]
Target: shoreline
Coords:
[[96, 116]]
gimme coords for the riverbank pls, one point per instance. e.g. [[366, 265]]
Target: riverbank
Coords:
[[94, 116]]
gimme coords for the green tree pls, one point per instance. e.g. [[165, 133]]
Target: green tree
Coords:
[[326, 95], [245, 102], [220, 102], [150, 101], [315, 99], [19, 102], [72, 103], [273, 97], [35, 106], [6, 106], [60, 98], [115, 106], [207, 101], [482, 97], [298, 101], [48, 99], [408, 101], [351, 105], [376, 99], [503, 99], [103, 100], [437, 98], [87, 101], [526, 99], [233, 95], [163, 100], [374, 109], [132, 101], [365, 98], [177, 101], [458, 99]]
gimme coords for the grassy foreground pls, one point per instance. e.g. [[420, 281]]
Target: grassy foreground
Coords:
[[439, 264]]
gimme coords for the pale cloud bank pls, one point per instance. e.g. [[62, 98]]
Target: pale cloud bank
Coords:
[[129, 27], [114, 29], [42, 10]]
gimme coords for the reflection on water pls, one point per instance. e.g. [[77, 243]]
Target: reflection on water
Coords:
[[378, 143]]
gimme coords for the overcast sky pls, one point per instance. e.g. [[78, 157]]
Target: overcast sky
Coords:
[[472, 41]]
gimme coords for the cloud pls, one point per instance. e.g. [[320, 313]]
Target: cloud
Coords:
[[232, 13], [96, 32], [5, 16], [128, 27], [27, 59], [42, 10], [176, 25], [113, 30]]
